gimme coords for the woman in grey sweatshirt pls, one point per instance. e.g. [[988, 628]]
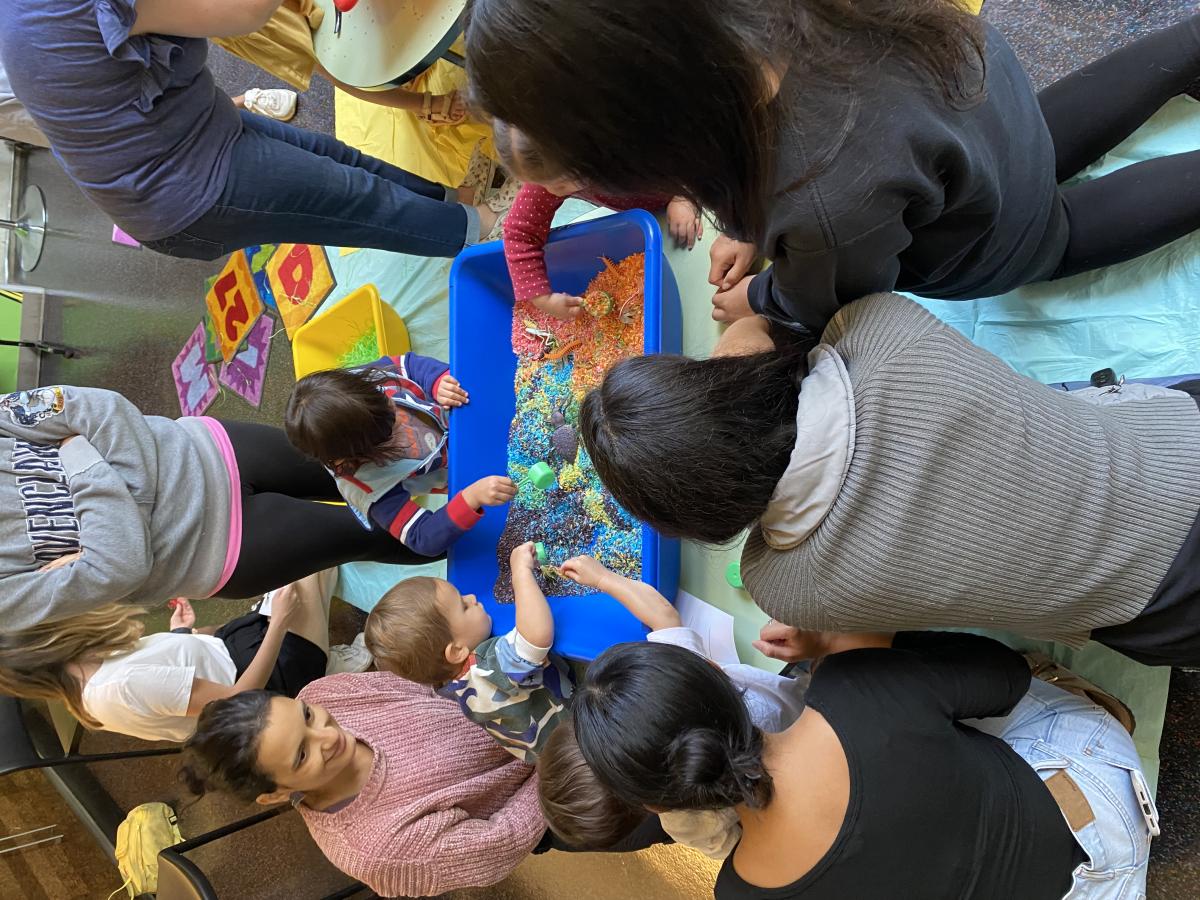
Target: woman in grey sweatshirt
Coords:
[[900, 477], [99, 503]]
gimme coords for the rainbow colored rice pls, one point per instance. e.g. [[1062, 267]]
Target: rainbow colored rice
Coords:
[[577, 515]]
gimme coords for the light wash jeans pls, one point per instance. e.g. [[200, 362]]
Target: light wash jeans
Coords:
[[1056, 731]]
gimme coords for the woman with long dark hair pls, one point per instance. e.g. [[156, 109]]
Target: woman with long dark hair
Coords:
[[863, 146], [901, 477], [879, 789]]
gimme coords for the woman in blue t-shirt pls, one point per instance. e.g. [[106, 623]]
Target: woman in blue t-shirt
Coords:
[[121, 89]]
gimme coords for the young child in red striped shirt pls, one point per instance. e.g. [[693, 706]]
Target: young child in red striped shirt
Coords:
[[382, 430], [527, 226]]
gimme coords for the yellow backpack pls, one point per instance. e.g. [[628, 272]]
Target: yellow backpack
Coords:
[[147, 829]]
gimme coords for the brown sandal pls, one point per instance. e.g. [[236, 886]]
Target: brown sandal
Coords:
[[440, 116]]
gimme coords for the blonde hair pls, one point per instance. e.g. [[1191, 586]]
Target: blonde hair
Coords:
[[407, 633], [34, 661]]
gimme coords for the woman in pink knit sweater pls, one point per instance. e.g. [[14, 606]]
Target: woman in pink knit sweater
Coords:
[[397, 787]]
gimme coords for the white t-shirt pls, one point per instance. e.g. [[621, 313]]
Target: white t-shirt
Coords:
[[774, 703], [145, 692]]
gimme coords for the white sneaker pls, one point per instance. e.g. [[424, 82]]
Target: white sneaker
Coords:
[[352, 657], [275, 103]]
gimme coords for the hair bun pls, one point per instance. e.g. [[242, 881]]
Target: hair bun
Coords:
[[713, 774]]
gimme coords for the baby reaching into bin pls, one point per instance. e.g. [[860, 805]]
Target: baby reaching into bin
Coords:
[[425, 630], [544, 189], [382, 430]]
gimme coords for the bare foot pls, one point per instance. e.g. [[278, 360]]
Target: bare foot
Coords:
[[466, 194], [487, 220]]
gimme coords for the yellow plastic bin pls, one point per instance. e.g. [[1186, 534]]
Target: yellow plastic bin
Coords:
[[358, 329]]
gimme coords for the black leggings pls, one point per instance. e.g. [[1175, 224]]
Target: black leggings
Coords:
[[1142, 206], [285, 535]]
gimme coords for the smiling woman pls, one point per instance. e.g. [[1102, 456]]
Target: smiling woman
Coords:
[[397, 788]]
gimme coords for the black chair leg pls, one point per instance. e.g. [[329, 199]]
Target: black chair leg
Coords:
[[201, 839], [106, 757]]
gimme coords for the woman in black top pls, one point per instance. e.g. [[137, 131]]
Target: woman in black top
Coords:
[[863, 146], [879, 789]]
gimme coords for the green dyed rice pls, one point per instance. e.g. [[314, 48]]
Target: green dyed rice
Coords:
[[364, 350]]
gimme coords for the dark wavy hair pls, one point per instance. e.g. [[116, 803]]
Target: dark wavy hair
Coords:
[[222, 754], [648, 96], [694, 447], [662, 727], [340, 414]]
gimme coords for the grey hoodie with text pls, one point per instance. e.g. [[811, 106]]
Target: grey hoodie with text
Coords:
[[145, 498]]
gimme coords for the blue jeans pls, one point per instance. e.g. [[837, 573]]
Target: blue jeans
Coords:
[[288, 185], [1055, 731]]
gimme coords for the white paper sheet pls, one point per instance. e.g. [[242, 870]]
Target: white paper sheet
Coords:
[[715, 627]]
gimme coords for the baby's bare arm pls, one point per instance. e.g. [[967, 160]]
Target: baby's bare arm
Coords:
[[535, 622]]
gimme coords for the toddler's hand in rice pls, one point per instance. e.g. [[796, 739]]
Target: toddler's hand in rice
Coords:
[[584, 570]]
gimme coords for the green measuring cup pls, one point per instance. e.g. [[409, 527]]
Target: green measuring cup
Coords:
[[540, 475]]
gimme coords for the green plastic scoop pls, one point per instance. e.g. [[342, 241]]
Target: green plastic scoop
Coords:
[[540, 475]]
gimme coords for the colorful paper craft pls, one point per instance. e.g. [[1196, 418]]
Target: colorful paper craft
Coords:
[[234, 305], [120, 237], [258, 256], [300, 281], [212, 349], [195, 379], [246, 372]]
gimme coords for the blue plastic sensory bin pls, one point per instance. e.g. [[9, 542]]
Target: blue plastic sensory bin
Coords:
[[481, 357]]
